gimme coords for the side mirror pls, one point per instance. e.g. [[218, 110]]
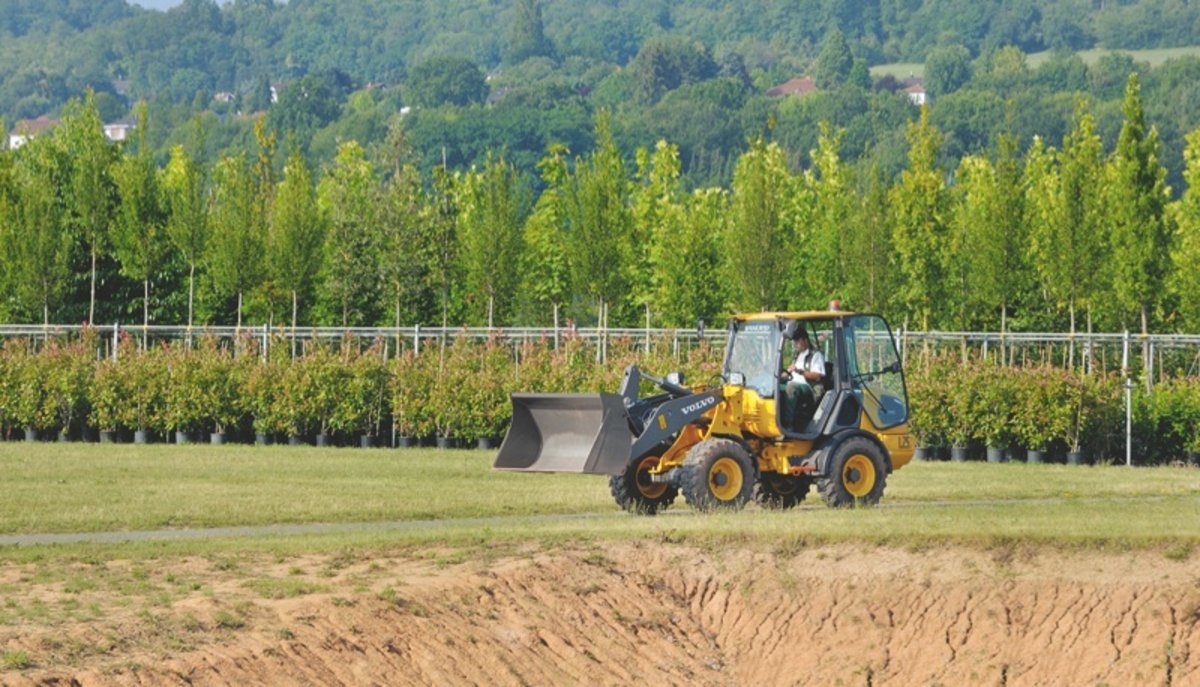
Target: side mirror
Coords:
[[675, 378], [737, 379]]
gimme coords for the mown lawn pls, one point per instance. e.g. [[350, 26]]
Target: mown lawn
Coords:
[[90, 488], [1154, 57]]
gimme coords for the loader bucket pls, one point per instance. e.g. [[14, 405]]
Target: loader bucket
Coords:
[[586, 433]]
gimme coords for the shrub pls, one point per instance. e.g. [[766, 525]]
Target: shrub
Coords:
[[29, 392], [411, 389], [185, 406], [361, 407]]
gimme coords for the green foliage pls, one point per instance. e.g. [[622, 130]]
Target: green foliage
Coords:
[[759, 241], [666, 63], [947, 69], [446, 80], [834, 62], [526, 33]]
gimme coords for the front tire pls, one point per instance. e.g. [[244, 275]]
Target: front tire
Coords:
[[857, 474], [634, 491], [718, 475], [781, 492]]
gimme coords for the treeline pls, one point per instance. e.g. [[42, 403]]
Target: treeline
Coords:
[[1062, 236]]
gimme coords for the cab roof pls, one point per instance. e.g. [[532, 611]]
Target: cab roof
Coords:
[[793, 315]]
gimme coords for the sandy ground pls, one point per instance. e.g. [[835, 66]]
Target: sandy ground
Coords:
[[614, 615]]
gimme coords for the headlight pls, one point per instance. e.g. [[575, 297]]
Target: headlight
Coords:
[[737, 379]]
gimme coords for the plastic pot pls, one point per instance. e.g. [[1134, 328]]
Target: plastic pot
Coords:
[[484, 443], [182, 437], [295, 440], [31, 434], [108, 436], [218, 438], [1076, 458], [925, 453], [445, 442], [141, 436], [1035, 456], [324, 440], [996, 455], [960, 454], [63, 436], [406, 442], [366, 441], [261, 439]]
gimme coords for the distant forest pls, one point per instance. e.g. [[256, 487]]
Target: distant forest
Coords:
[[463, 78]]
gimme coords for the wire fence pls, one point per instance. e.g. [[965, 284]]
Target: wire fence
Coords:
[[1152, 357]]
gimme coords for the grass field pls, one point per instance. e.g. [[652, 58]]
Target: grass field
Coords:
[[1154, 57], [89, 488]]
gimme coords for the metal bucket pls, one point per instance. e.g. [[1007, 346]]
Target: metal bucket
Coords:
[[583, 433]]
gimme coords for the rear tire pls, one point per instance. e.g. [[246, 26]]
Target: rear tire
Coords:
[[857, 474], [633, 491], [781, 492], [718, 475]]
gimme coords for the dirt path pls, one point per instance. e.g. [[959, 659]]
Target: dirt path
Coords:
[[620, 614], [500, 522]]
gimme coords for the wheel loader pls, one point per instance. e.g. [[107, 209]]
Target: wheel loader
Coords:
[[742, 437]]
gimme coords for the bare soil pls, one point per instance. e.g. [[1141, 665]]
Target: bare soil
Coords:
[[614, 614]]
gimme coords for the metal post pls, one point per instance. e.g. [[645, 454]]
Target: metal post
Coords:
[[417, 339], [116, 340], [1128, 401]]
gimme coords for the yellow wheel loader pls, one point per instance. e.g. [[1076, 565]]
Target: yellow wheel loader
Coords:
[[760, 433]]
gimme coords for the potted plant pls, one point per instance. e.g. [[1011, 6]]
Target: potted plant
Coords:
[[362, 407], [30, 409], [261, 386], [412, 389], [218, 384], [186, 408], [994, 400]]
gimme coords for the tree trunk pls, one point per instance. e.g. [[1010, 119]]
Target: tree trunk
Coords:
[[1146, 348], [92, 303], [191, 300], [145, 313], [238, 330], [1071, 341], [491, 309]]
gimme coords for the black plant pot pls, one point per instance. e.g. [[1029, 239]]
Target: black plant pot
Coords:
[[63, 436], [218, 438], [295, 440], [996, 455], [406, 442], [108, 436], [324, 440], [141, 436], [1035, 456], [445, 442], [959, 454], [925, 453], [182, 437], [1076, 458], [31, 434], [261, 439], [1193, 458], [366, 441], [484, 443]]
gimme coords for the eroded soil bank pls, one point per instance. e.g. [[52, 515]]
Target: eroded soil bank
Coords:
[[613, 614]]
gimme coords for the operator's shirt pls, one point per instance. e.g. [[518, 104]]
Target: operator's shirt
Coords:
[[809, 361]]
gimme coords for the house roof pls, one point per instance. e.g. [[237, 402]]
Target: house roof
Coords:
[[33, 127], [915, 88], [798, 86]]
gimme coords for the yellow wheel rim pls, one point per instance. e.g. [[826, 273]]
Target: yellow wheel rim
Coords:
[[858, 475], [725, 479], [645, 487]]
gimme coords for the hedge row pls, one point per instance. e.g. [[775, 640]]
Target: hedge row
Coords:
[[1050, 409], [459, 390]]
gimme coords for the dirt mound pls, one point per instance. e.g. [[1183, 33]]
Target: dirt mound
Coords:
[[671, 614]]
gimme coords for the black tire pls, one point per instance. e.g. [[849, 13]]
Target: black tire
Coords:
[[857, 474], [781, 492], [633, 491], [718, 475]]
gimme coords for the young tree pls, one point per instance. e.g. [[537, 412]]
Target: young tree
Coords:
[[141, 216], [992, 216], [597, 214], [544, 266], [439, 226], [869, 250], [90, 193], [759, 237], [689, 250], [235, 249], [346, 197], [494, 204], [185, 184], [824, 263], [1186, 216], [296, 236], [1142, 236], [40, 244], [655, 203], [920, 214]]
